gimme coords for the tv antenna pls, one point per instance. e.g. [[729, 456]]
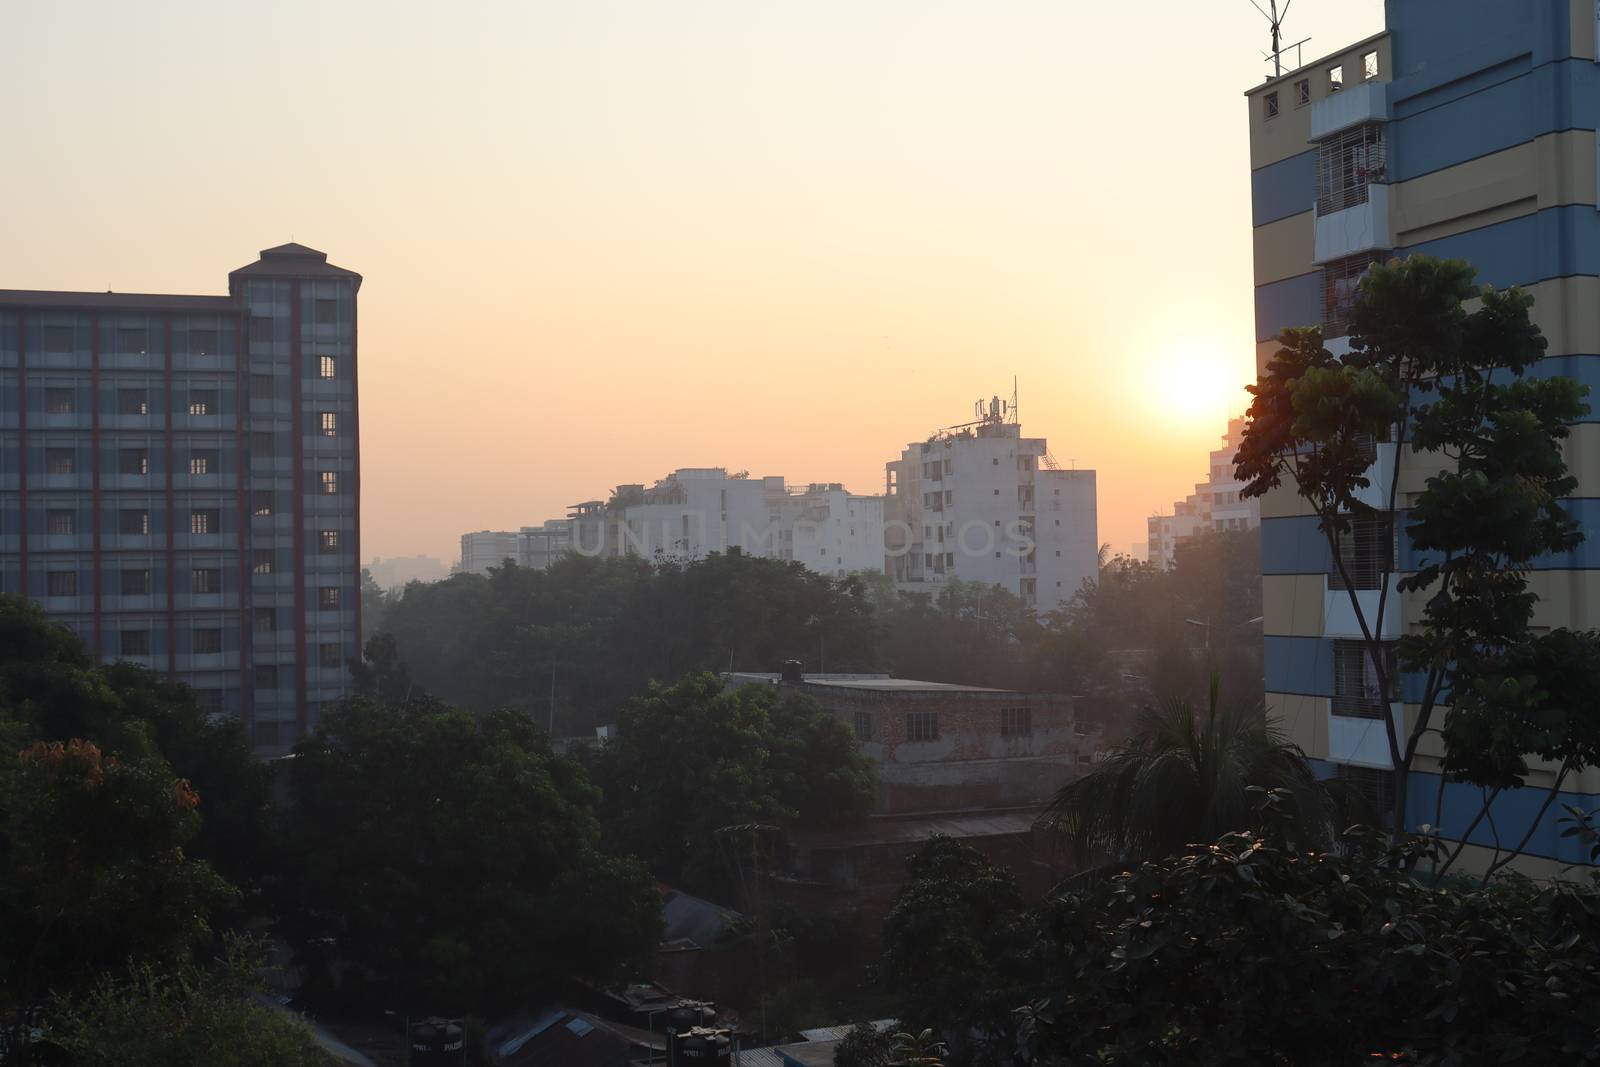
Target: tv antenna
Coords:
[[1275, 17]]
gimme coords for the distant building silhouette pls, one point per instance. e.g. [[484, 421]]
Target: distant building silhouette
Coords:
[[1215, 504]]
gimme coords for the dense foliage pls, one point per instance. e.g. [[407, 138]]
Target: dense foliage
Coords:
[[1252, 951], [689, 760], [956, 949], [188, 1016], [604, 628], [447, 862]]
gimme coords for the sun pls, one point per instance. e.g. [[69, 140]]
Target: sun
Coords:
[[1197, 383]]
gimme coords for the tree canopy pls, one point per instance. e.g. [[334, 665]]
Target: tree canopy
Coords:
[[691, 759], [448, 862]]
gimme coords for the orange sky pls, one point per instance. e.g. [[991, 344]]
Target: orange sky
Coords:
[[602, 240]]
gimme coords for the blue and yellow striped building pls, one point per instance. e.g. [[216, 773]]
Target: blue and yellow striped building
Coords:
[[1466, 129]]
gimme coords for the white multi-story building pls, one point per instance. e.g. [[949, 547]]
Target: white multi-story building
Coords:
[[696, 511], [535, 547], [1215, 504], [982, 503]]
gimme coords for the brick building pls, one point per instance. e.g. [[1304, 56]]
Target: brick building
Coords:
[[942, 747]]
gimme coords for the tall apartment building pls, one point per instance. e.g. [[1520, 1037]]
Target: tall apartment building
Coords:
[[982, 503], [1466, 129], [180, 481], [1215, 504]]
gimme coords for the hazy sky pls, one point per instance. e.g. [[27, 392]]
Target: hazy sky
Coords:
[[602, 240]]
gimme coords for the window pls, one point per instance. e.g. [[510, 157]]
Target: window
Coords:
[[134, 522], [328, 541], [1369, 65], [203, 402], [205, 521], [330, 654], [135, 581], [59, 400], [135, 642], [1016, 722], [265, 675], [203, 461], [205, 580], [133, 340], [262, 504], [1341, 280], [326, 312], [207, 641], [863, 726], [209, 701], [1348, 165], [326, 367], [922, 726], [62, 583], [61, 521], [59, 339], [330, 428], [1335, 79], [1302, 92], [59, 461], [1356, 692], [133, 402], [265, 619], [260, 444], [329, 481], [328, 598], [1367, 552], [260, 329], [203, 343], [1271, 103], [260, 387], [261, 561]]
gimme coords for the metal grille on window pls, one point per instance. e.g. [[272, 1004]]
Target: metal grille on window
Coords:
[[1356, 692], [1340, 281], [1367, 552], [1348, 165]]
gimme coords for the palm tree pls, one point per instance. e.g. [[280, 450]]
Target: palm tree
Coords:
[[1184, 778], [918, 1050]]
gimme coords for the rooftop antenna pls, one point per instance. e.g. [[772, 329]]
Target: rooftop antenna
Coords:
[[1016, 418], [1275, 17]]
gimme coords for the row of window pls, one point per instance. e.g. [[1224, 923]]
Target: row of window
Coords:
[[136, 340], [924, 725], [136, 461], [207, 640], [135, 581], [135, 522], [1335, 82]]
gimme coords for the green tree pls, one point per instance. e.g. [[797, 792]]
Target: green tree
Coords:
[[1250, 950], [955, 950], [691, 759], [865, 1046], [452, 863], [1442, 390], [92, 868], [51, 689], [181, 1016], [1184, 777]]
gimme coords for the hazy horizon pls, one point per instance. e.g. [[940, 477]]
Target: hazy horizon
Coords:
[[602, 240]]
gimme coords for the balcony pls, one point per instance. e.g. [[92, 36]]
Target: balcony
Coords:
[[1355, 106], [1351, 231]]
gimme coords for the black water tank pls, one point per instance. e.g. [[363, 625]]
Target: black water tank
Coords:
[[791, 671], [702, 1045], [437, 1042]]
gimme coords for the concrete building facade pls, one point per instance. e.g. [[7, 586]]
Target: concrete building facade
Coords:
[[180, 481], [696, 511], [1466, 129], [1215, 504], [534, 547], [982, 503]]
